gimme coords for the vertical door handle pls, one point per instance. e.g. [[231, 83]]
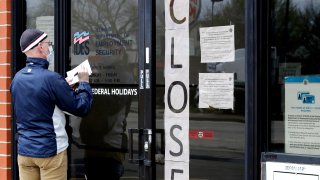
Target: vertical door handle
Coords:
[[147, 138]]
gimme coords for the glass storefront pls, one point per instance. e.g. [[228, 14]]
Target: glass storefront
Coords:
[[294, 46], [106, 34], [216, 135]]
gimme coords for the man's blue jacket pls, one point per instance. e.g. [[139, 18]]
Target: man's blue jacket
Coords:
[[39, 95]]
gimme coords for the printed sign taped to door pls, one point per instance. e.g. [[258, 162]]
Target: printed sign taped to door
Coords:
[[281, 171], [302, 119], [177, 139], [176, 170], [176, 117]]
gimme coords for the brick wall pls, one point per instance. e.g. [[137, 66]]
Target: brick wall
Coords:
[[5, 99]]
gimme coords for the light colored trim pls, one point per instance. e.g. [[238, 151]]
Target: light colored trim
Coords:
[[5, 102], [5, 155], [35, 42], [4, 116], [5, 50], [4, 142]]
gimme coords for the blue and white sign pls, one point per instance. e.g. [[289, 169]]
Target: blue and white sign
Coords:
[[302, 117]]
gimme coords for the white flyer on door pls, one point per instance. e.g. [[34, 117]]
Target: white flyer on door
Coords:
[[216, 90], [217, 44], [73, 74], [291, 171], [302, 119]]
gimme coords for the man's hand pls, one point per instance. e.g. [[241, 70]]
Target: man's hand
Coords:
[[83, 74], [69, 81]]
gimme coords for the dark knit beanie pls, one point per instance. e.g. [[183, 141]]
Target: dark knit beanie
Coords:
[[30, 38]]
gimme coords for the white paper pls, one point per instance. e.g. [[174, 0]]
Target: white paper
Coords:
[[216, 90], [178, 16], [176, 116], [177, 139], [291, 171], [302, 118], [176, 170], [217, 44], [73, 74]]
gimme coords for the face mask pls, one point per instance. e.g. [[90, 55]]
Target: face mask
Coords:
[[50, 55]]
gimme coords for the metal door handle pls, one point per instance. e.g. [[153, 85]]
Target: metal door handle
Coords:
[[147, 136]]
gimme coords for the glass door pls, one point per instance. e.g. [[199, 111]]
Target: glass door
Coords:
[[106, 33], [294, 48], [200, 89]]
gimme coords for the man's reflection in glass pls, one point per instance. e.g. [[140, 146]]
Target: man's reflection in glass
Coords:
[[103, 131]]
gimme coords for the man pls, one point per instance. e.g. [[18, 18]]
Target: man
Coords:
[[37, 93]]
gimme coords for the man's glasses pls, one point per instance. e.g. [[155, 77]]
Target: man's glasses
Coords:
[[49, 43]]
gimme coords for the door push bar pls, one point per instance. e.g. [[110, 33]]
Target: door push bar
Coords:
[[147, 137]]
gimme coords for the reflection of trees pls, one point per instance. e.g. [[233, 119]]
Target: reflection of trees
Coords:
[[295, 31], [296, 34], [43, 8], [232, 12], [115, 16]]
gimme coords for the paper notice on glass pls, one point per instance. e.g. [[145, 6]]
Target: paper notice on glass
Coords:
[[291, 171], [302, 119], [217, 44], [216, 90], [73, 74]]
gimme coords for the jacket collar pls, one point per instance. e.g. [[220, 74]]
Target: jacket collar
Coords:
[[37, 62]]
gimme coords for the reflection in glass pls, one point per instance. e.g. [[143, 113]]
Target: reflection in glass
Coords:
[[112, 27], [106, 33], [40, 15], [217, 147], [294, 47]]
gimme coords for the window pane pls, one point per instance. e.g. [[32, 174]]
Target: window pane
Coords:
[[40, 15], [295, 51], [216, 135], [105, 32]]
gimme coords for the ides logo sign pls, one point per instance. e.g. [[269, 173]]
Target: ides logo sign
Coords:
[[81, 43]]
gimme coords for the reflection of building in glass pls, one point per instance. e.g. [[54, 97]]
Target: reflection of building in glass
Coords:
[[237, 67]]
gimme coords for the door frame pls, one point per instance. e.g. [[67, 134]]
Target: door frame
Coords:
[[62, 19], [18, 16], [256, 99], [146, 89]]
